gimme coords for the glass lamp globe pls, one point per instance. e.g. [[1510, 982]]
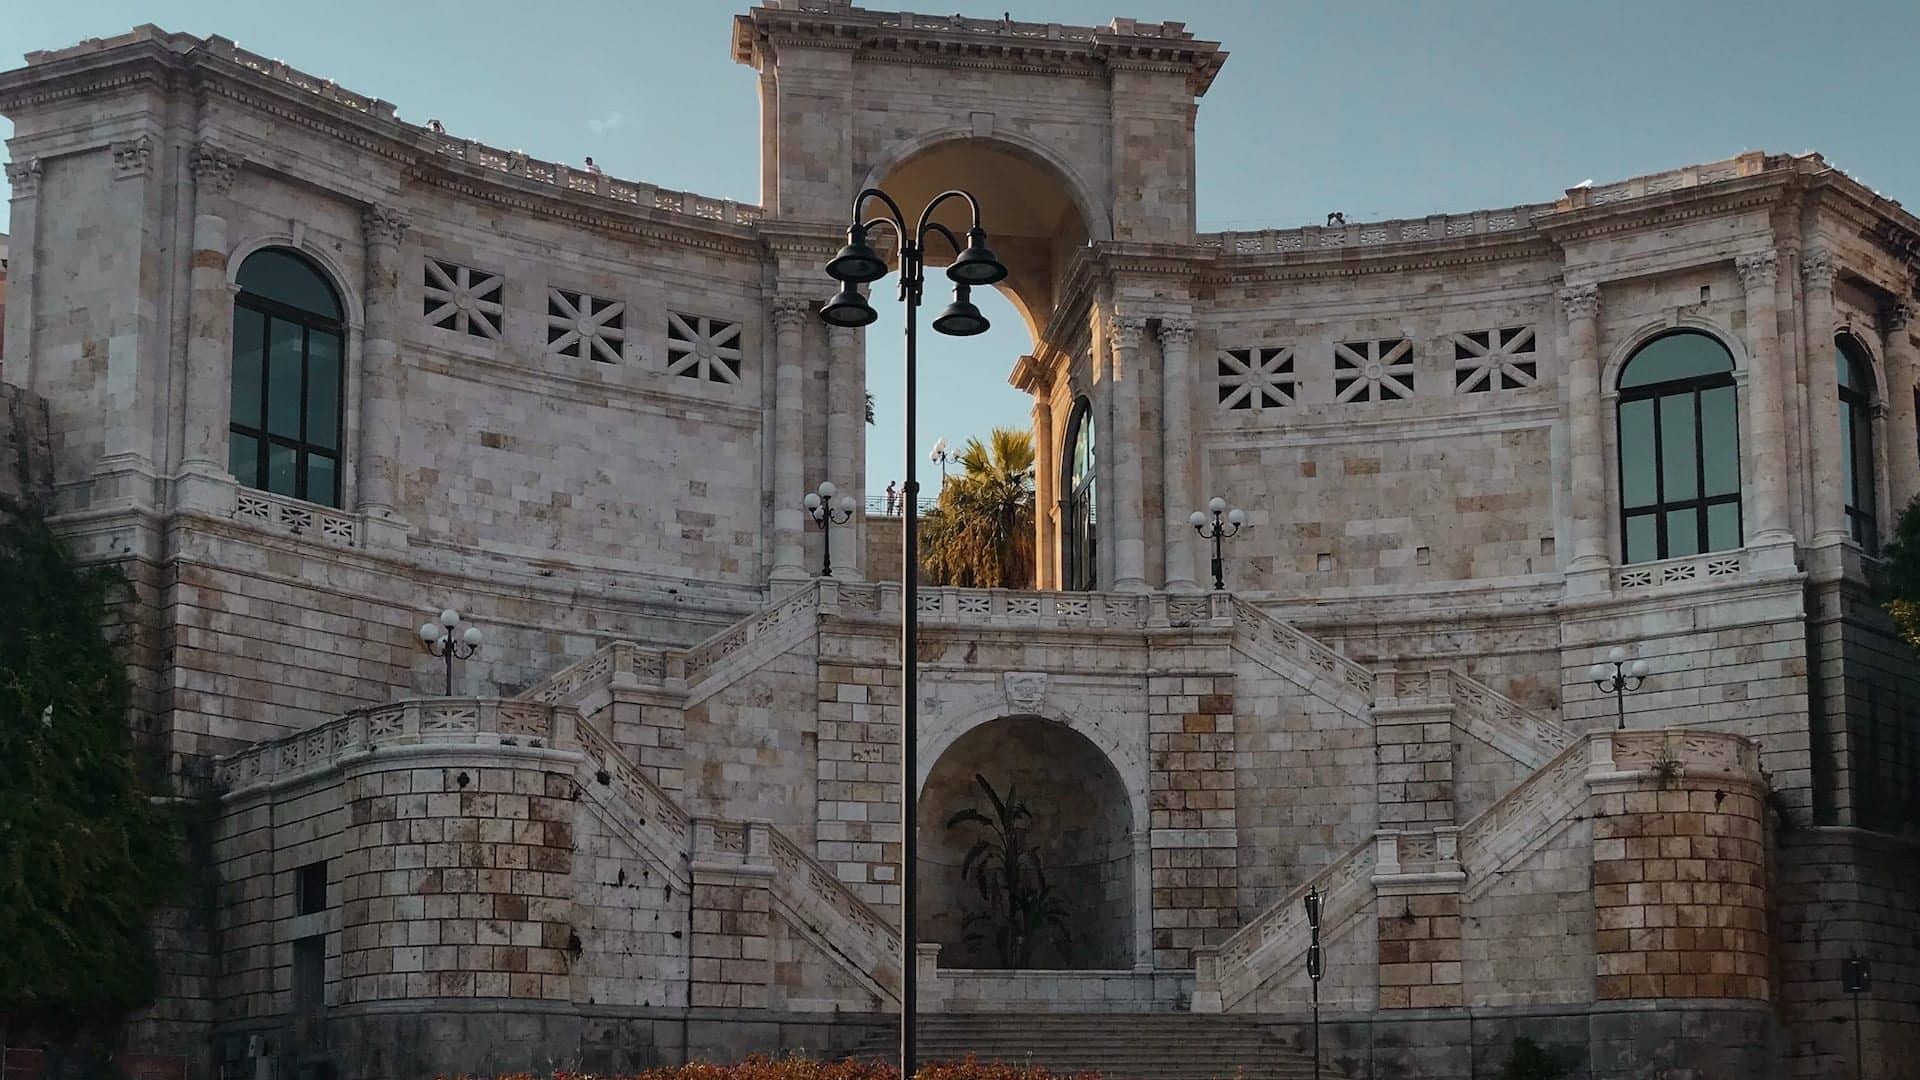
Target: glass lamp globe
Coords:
[[472, 636], [1599, 673], [846, 504], [827, 489], [430, 632], [1197, 519], [1616, 655], [449, 618], [1216, 504], [1236, 516], [811, 502], [1637, 669]]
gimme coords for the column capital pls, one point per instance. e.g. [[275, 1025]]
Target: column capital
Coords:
[[132, 158], [1176, 331], [214, 167], [385, 224], [1897, 316], [1758, 271], [1124, 331], [1581, 301], [24, 176], [1816, 268], [788, 311]]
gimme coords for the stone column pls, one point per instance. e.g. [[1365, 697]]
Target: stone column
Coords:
[[209, 332], [1587, 444], [22, 249], [1046, 470], [1176, 454], [1823, 404], [1766, 375], [1903, 441], [1126, 522], [382, 415], [789, 448], [846, 442]]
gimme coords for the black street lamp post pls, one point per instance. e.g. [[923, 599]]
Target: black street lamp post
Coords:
[[858, 264], [827, 512], [437, 635], [1316, 963], [1618, 676], [1217, 530]]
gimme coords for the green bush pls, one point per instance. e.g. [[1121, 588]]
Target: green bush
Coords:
[[85, 853]]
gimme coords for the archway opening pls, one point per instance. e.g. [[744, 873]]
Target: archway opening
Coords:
[[1080, 833]]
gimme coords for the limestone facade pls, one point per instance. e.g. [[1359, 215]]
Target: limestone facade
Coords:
[[660, 814]]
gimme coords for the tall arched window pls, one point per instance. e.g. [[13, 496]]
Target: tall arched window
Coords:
[[1679, 449], [1078, 538], [284, 434], [1856, 439]]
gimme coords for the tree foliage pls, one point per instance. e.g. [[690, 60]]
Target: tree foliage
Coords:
[[1900, 575], [85, 853], [980, 533], [1022, 910]]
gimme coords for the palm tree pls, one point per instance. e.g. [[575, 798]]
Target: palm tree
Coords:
[[980, 533]]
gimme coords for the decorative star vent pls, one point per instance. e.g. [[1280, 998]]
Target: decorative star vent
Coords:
[[1373, 370], [464, 300], [1488, 360], [585, 327], [703, 348], [1255, 378]]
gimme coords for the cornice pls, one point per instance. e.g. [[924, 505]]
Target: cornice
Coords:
[[1763, 190], [1243, 269]]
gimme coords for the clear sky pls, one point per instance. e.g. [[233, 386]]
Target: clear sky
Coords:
[[1374, 109]]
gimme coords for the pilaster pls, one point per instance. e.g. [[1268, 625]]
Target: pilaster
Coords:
[[847, 445], [1127, 516], [1903, 440], [22, 263], [1045, 495], [1823, 408], [1176, 450], [1587, 573], [381, 413], [1772, 539], [789, 316], [206, 483]]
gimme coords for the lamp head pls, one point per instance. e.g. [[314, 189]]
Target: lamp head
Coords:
[[472, 637], [846, 504], [848, 308], [1236, 516], [1599, 673], [811, 502], [430, 632], [1312, 903], [961, 319], [1197, 519], [1616, 655], [827, 490], [857, 263], [1216, 504], [449, 618], [1637, 669], [976, 264]]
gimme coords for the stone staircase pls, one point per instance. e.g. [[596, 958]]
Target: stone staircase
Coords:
[[1121, 1046]]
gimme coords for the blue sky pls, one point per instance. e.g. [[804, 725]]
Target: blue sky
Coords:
[[1375, 109]]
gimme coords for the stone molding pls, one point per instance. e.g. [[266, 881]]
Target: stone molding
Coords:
[[386, 224], [1581, 301]]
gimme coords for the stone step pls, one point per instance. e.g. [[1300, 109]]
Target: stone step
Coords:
[[1120, 1046]]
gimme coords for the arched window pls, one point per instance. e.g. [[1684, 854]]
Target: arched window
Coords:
[[1856, 440], [1080, 516], [1679, 449], [288, 358]]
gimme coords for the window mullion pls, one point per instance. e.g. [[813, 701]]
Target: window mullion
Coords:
[[1700, 477], [1661, 544]]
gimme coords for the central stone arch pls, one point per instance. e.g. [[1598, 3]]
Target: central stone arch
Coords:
[[1082, 829]]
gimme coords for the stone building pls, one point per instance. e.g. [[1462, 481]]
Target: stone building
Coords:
[[310, 373]]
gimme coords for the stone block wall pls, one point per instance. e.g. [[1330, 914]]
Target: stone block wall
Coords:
[[1420, 955], [731, 958], [1527, 937], [26, 453], [457, 881], [1415, 747], [1680, 893], [259, 850], [858, 780], [1195, 838]]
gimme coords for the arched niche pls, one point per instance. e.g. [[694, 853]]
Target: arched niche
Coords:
[[1082, 829]]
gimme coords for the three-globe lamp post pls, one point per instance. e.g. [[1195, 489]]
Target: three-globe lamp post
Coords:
[[1224, 523], [440, 640], [1618, 676], [859, 264], [826, 512]]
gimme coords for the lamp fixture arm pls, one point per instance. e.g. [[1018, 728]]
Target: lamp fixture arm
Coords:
[[926, 216]]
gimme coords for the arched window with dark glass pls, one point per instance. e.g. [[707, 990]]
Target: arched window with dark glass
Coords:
[[288, 362], [1079, 510], [1856, 440], [1679, 428]]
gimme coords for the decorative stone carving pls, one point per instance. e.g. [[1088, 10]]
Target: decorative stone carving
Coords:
[[788, 311], [1025, 690], [386, 224], [132, 158], [1897, 316], [1176, 331], [214, 168], [1758, 270], [1125, 330], [1816, 268], [1581, 301], [24, 176]]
